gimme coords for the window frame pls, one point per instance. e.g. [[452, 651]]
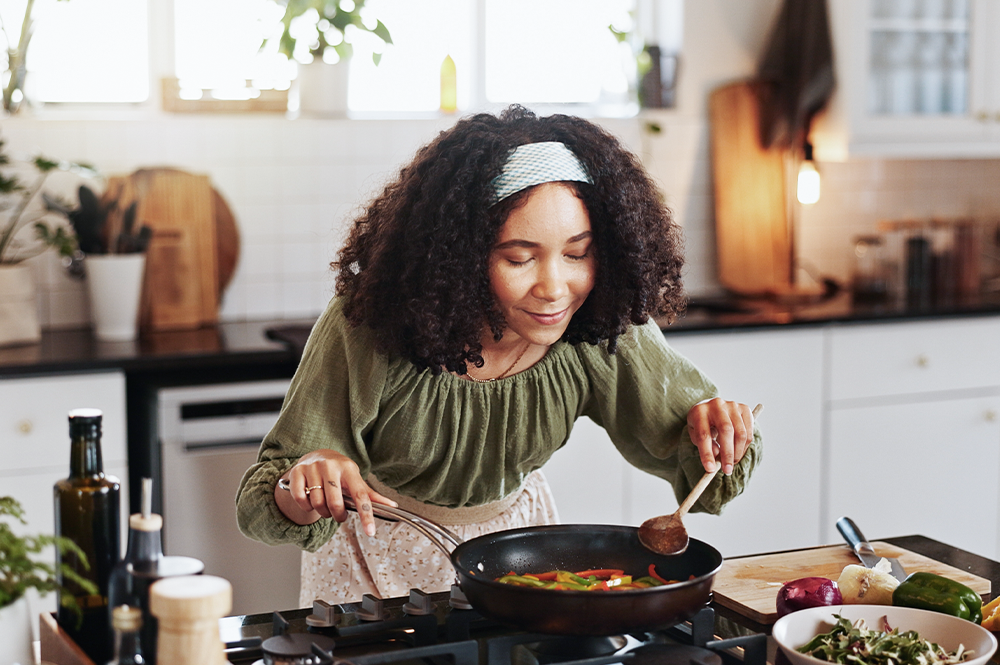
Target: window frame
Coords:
[[161, 39]]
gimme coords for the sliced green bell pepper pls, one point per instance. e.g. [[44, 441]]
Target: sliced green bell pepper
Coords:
[[928, 591]]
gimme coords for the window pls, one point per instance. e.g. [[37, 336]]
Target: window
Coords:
[[531, 51], [217, 46], [83, 50]]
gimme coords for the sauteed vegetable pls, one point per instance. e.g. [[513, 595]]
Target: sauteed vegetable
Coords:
[[586, 580]]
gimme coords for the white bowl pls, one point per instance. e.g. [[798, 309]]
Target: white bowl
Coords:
[[793, 630]]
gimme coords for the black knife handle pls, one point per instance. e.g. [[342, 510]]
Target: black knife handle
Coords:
[[852, 534]]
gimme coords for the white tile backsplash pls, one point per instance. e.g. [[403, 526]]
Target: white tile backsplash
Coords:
[[294, 186]]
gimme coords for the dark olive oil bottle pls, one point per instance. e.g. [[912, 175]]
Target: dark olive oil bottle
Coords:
[[87, 506]]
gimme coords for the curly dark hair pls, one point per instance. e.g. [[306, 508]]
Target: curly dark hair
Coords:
[[415, 266]]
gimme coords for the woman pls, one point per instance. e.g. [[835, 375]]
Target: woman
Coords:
[[498, 289]]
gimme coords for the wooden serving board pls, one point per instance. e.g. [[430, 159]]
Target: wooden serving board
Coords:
[[193, 251], [753, 238], [749, 585]]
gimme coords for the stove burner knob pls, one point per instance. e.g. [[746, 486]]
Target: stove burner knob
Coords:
[[458, 599], [419, 605], [371, 609], [324, 615]]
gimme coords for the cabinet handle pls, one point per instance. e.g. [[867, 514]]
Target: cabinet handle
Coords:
[[990, 415], [25, 426], [982, 116], [923, 360]]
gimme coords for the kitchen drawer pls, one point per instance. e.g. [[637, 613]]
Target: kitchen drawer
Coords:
[[914, 357], [34, 433]]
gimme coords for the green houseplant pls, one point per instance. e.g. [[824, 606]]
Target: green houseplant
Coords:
[[319, 35], [22, 567], [112, 256], [314, 26], [19, 210]]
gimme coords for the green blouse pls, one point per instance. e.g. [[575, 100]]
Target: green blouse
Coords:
[[452, 442]]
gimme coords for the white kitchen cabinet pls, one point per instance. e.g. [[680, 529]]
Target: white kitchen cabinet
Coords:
[[781, 369], [919, 467], [35, 445], [914, 433], [916, 79]]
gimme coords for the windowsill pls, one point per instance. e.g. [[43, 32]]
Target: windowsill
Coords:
[[152, 111]]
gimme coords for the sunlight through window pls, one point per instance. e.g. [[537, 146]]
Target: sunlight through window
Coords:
[[84, 50]]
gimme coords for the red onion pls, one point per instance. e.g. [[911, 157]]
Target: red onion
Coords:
[[807, 592]]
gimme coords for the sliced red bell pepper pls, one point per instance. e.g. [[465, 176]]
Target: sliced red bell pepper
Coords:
[[654, 575], [551, 575], [601, 573]]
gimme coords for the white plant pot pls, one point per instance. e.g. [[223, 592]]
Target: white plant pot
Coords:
[[115, 285], [18, 310], [15, 634], [322, 89]]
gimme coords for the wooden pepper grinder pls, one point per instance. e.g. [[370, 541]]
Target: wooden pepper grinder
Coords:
[[188, 609]]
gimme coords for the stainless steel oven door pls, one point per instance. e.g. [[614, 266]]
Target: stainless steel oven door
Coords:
[[209, 436]]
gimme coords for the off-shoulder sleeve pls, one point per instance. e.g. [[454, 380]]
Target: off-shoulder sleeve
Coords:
[[641, 396], [331, 403]]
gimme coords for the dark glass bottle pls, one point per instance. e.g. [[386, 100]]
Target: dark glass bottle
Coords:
[[87, 508], [126, 622]]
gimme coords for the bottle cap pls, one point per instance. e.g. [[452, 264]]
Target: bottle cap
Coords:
[[190, 597], [140, 522], [85, 422], [76, 414], [124, 617]]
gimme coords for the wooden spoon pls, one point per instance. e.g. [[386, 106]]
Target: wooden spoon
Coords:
[[666, 534]]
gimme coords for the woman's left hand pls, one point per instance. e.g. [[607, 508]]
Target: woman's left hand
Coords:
[[722, 431]]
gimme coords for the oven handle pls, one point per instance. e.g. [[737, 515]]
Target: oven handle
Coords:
[[436, 533]]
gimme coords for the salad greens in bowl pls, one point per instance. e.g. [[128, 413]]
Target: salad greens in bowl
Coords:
[[881, 635]]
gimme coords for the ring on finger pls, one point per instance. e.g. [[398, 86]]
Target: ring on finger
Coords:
[[314, 487]]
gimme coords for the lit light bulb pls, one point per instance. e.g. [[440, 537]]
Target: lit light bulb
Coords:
[[808, 185]]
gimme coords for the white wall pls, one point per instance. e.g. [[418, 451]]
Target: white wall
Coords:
[[294, 184]]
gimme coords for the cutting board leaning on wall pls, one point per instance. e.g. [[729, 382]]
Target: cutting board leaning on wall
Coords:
[[193, 251], [753, 235]]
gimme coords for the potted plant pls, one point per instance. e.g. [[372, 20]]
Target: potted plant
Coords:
[[112, 256], [22, 568], [319, 35], [18, 312]]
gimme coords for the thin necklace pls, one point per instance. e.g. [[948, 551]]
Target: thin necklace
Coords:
[[506, 371]]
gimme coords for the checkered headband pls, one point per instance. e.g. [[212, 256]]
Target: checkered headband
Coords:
[[534, 163]]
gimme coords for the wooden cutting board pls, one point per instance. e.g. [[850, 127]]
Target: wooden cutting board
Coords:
[[193, 251], [749, 585], [752, 232]]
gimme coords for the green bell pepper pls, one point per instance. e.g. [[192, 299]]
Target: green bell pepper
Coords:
[[928, 591]]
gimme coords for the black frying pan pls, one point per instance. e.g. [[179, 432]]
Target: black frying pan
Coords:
[[575, 547]]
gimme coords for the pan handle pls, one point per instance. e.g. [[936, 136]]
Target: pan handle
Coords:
[[436, 533]]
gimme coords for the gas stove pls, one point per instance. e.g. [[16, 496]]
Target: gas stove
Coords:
[[443, 629]]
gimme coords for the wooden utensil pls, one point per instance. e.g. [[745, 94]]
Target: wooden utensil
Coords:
[[666, 534]]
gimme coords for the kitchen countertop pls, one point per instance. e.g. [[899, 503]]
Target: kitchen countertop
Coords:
[[704, 314], [226, 344], [245, 344]]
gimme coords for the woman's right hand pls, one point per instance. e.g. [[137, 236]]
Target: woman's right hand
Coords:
[[328, 475]]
